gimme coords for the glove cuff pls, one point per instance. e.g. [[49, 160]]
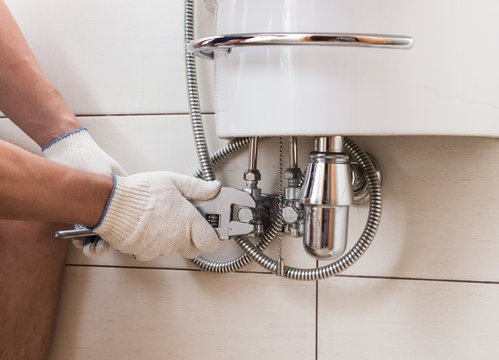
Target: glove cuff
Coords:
[[124, 210], [70, 137], [79, 150], [72, 149]]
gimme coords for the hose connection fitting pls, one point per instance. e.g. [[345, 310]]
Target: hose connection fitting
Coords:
[[292, 211], [252, 176]]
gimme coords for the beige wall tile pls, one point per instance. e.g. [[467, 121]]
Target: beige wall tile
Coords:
[[114, 56], [393, 319], [440, 209], [109, 313]]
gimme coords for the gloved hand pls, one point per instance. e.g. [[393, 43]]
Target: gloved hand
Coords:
[[148, 215], [77, 149]]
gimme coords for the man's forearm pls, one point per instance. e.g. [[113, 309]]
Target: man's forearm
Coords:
[[32, 188], [26, 95]]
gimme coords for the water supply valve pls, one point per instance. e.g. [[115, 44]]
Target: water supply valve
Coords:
[[292, 212]]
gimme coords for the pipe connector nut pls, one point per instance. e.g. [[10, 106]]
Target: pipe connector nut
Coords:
[[295, 230], [292, 193], [291, 214], [293, 174], [252, 175], [246, 215]]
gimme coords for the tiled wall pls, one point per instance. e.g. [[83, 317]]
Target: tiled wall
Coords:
[[427, 288]]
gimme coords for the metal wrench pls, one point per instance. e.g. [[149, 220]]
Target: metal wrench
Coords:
[[221, 205]]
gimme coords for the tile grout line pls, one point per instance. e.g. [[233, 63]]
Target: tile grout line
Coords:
[[374, 277], [158, 268], [140, 114], [131, 114]]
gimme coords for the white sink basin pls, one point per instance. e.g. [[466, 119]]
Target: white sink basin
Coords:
[[447, 84]]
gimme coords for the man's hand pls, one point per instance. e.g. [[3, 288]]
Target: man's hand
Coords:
[[77, 149], [148, 215]]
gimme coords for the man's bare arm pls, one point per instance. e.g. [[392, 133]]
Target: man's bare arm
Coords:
[[33, 188], [26, 95]]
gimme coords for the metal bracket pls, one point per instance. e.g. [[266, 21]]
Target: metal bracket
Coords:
[[359, 183]]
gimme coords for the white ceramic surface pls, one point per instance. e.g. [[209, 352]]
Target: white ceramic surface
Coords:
[[448, 84]]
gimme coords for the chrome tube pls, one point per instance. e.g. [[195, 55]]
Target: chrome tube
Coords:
[[326, 196], [325, 231], [329, 144], [293, 152], [365, 240], [253, 153], [212, 46], [252, 175]]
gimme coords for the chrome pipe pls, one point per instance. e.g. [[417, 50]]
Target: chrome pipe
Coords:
[[329, 144], [253, 153], [327, 195], [293, 152], [212, 46], [252, 175]]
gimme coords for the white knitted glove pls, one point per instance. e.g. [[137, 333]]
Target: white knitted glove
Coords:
[[77, 149], [148, 215]]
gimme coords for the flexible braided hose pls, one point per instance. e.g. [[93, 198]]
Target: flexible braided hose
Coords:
[[365, 240], [193, 93]]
